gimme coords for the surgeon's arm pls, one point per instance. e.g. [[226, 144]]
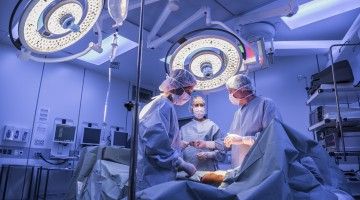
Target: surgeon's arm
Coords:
[[157, 142], [219, 146], [158, 146]]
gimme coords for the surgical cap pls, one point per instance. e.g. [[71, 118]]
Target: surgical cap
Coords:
[[240, 81], [198, 99], [178, 78]]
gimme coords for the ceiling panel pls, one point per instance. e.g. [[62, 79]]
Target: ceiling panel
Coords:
[[240, 7], [333, 28], [187, 9]]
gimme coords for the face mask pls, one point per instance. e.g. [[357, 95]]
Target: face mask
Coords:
[[181, 99], [199, 112], [235, 100]]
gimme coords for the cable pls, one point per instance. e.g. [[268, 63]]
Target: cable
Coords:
[[182, 39], [51, 163], [16, 44]]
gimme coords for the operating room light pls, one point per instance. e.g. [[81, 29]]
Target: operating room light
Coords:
[[317, 10], [96, 58], [212, 59], [64, 24], [205, 61]]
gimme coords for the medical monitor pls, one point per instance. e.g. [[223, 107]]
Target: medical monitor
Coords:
[[64, 133], [120, 139], [91, 136]]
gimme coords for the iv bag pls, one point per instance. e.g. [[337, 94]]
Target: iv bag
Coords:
[[118, 10]]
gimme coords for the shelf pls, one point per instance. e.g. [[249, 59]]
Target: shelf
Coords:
[[347, 153], [325, 95], [349, 125]]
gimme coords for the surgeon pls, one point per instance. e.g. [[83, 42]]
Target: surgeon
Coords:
[[254, 114], [201, 128], [159, 156]]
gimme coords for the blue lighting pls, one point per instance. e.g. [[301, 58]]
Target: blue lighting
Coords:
[[317, 10], [96, 58]]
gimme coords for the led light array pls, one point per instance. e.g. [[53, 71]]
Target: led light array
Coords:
[[55, 36], [198, 49]]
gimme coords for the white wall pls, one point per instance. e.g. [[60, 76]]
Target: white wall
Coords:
[[68, 91]]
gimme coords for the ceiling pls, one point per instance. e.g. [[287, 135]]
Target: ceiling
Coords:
[[333, 28]]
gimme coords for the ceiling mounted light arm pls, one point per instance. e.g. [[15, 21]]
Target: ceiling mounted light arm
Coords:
[[25, 54], [171, 6], [210, 22], [196, 16], [202, 12], [277, 8]]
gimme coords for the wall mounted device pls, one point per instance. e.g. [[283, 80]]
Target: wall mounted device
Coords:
[[64, 137], [91, 136], [15, 134], [64, 133], [119, 138]]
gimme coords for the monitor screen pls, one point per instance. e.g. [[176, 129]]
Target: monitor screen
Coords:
[[120, 139], [91, 136], [64, 133]]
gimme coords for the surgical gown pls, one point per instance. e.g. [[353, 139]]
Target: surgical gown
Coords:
[[250, 120], [158, 143], [205, 130]]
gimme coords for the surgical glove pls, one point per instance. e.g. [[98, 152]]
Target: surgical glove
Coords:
[[201, 144], [248, 140], [189, 168], [231, 139], [237, 140], [183, 144], [206, 155]]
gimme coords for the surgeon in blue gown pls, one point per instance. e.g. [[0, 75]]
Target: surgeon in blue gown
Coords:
[[201, 128], [159, 156], [254, 114]]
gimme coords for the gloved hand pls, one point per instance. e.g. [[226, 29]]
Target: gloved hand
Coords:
[[231, 139], [189, 168], [183, 144], [201, 144], [206, 155]]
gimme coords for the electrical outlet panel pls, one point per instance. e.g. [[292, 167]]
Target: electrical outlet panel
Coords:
[[16, 134], [14, 152]]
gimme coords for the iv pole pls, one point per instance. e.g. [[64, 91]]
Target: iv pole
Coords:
[[134, 137]]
